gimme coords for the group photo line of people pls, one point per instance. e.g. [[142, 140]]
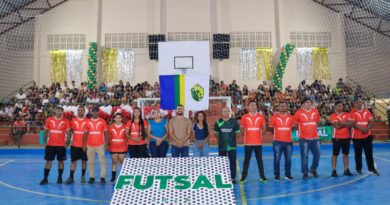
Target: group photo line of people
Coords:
[[143, 138]]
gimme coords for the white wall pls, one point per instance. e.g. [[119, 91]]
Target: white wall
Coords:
[[308, 16], [244, 16], [15, 65], [149, 16], [72, 17], [369, 66]]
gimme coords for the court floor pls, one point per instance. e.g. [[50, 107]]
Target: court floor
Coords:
[[21, 171]]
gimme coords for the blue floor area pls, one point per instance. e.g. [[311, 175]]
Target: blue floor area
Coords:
[[21, 171]]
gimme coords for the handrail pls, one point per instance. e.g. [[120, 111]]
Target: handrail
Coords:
[[15, 91]]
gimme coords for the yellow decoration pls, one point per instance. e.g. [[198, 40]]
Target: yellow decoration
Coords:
[[264, 62], [320, 64], [58, 66], [110, 65]]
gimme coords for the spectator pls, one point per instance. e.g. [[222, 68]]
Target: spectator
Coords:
[[103, 88], [245, 90], [20, 95], [53, 100], [233, 86], [19, 129], [73, 86], [340, 84]]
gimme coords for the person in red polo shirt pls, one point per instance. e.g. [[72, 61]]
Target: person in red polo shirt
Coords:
[[307, 118], [118, 144], [79, 126], [96, 140], [361, 136], [282, 124], [136, 131], [341, 123], [252, 126], [55, 144]]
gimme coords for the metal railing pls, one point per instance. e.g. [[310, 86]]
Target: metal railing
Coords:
[[13, 93]]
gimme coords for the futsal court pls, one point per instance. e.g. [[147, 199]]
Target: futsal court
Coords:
[[21, 171]]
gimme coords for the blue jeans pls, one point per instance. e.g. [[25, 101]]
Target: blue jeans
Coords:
[[204, 152], [180, 151], [158, 151], [286, 148], [314, 147]]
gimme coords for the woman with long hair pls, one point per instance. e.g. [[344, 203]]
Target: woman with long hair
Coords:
[[158, 130], [118, 143], [201, 135], [136, 131]]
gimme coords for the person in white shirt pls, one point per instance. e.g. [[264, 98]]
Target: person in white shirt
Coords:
[[20, 95]]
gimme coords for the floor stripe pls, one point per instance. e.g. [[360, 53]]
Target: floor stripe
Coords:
[[4, 163], [311, 191], [381, 158], [242, 191], [51, 195]]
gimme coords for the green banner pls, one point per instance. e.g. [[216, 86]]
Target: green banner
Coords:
[[325, 133]]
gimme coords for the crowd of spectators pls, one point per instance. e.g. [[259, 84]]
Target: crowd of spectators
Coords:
[[34, 104]]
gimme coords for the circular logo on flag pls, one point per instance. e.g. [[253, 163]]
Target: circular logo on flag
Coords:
[[197, 92]]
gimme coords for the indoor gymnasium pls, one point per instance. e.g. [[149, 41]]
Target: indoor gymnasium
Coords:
[[194, 102]]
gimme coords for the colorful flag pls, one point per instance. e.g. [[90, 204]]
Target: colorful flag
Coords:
[[189, 91]]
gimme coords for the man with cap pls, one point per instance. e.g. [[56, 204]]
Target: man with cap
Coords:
[[361, 136], [307, 118], [94, 141]]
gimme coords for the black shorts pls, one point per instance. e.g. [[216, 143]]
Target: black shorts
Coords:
[[77, 153], [118, 152], [52, 151], [342, 144]]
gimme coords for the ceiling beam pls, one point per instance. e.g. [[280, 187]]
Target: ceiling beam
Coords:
[[15, 9], [31, 18]]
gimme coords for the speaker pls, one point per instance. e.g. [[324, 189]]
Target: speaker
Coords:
[[221, 46], [153, 45]]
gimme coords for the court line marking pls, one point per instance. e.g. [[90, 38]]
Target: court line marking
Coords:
[[51, 195], [311, 191], [320, 189], [242, 191], [4, 163], [381, 158]]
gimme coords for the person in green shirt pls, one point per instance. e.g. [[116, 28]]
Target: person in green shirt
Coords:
[[226, 130]]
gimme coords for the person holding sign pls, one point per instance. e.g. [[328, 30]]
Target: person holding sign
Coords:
[[282, 123], [361, 136], [307, 118], [341, 139], [252, 126], [226, 130]]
